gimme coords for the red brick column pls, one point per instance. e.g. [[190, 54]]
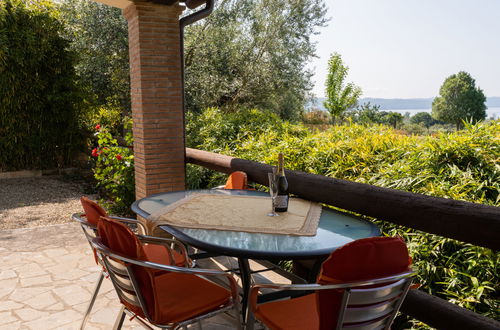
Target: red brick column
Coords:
[[156, 91]]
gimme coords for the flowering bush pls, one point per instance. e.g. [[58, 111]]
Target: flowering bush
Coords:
[[114, 170]]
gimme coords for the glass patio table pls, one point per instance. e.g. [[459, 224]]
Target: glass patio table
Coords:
[[334, 230]]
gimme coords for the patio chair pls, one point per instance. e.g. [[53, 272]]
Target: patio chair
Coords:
[[165, 296], [361, 286], [157, 249], [237, 180]]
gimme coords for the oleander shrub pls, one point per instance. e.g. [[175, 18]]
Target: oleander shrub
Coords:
[[463, 165], [113, 167], [40, 101]]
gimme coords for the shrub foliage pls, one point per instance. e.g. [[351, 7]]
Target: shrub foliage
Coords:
[[39, 99], [113, 167], [462, 165]]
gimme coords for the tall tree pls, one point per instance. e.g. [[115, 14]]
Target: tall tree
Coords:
[[459, 100], [340, 96], [99, 36], [253, 53]]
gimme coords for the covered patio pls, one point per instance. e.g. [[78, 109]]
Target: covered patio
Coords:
[[55, 289], [156, 62]]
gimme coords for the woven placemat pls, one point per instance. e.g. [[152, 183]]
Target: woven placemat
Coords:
[[237, 213]]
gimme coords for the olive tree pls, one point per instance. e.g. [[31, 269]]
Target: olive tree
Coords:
[[253, 54]]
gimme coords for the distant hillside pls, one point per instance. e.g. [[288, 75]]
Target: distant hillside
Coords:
[[400, 104], [493, 102], [391, 104]]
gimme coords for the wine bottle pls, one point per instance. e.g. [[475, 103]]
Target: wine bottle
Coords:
[[281, 202]]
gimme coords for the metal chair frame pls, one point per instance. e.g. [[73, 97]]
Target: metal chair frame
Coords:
[[90, 231], [124, 270], [362, 308]]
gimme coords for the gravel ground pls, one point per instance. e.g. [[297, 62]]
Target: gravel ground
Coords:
[[39, 201]]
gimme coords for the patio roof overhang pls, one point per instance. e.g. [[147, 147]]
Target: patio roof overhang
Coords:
[[122, 4]]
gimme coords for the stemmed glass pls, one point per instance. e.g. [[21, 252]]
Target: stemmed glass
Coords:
[[273, 191]]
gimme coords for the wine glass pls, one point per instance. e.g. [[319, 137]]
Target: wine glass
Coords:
[[273, 191]]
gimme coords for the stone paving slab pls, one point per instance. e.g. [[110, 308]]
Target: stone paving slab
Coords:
[[48, 275]]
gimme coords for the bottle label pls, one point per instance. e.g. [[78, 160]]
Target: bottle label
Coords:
[[281, 202]]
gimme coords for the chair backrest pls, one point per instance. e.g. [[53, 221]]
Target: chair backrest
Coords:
[[92, 210], [134, 284], [237, 180], [89, 220], [364, 307]]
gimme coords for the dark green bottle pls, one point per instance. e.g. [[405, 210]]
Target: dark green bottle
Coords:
[[281, 202]]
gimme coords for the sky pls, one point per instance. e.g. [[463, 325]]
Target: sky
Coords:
[[407, 48]]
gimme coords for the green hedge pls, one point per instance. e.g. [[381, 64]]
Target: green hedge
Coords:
[[464, 165], [39, 100]]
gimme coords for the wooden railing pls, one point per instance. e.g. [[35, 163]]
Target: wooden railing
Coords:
[[468, 222]]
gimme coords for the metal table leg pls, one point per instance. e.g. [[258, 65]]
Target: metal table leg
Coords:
[[245, 283]]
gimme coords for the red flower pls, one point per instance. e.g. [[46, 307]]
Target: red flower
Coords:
[[97, 127], [95, 152], [119, 157]]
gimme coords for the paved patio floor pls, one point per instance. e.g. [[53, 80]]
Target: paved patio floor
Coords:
[[47, 276]]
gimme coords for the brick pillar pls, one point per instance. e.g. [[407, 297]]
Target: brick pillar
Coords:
[[156, 92]]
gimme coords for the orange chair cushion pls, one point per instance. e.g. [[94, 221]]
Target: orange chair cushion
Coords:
[[292, 314], [92, 210], [180, 297], [119, 238], [360, 260], [159, 254], [92, 213], [357, 261], [237, 180], [365, 259], [169, 297]]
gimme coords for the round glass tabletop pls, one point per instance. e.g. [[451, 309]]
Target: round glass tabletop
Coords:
[[334, 230]]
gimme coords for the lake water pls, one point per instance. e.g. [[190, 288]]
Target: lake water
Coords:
[[493, 112]]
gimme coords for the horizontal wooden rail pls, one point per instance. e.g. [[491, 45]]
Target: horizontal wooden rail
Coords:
[[468, 222], [474, 223], [441, 314]]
